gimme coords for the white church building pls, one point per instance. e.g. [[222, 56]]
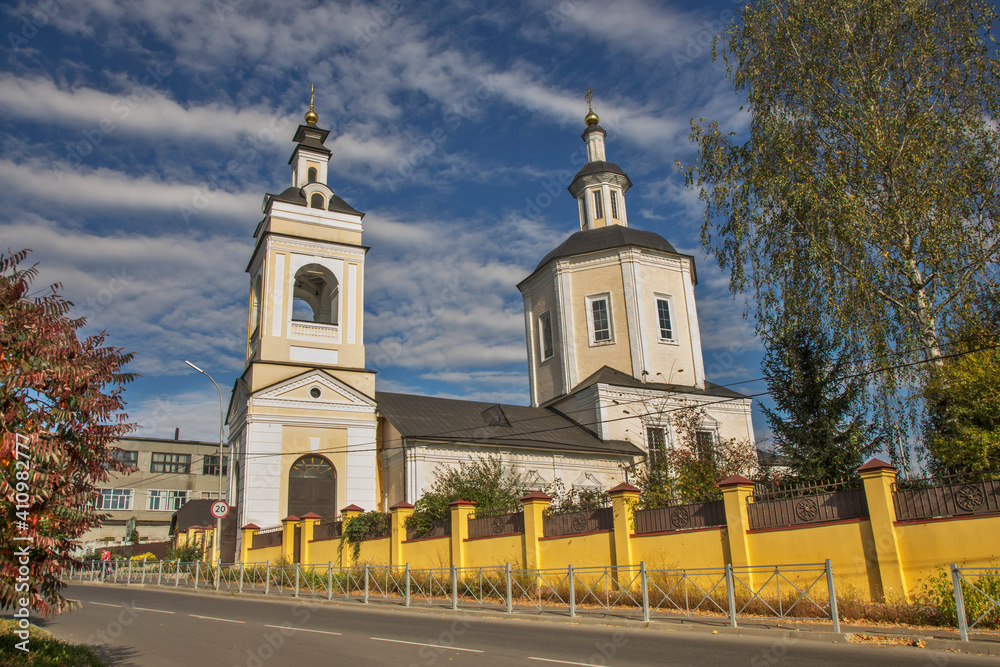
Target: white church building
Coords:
[[613, 345]]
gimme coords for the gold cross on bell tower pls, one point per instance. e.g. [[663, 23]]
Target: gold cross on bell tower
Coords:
[[591, 118], [311, 116]]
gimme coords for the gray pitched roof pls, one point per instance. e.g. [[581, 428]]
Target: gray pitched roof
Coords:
[[608, 375], [604, 238], [474, 422]]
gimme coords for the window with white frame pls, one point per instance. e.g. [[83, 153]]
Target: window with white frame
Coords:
[[656, 442], [545, 335], [165, 500], [705, 444], [599, 319], [665, 317], [614, 204], [115, 499], [598, 205], [210, 495]]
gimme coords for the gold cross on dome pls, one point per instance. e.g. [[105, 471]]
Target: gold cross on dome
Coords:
[[589, 97]]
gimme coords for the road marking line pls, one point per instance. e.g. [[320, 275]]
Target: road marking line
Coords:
[[322, 632], [212, 618], [564, 662], [104, 604], [447, 648], [158, 611]]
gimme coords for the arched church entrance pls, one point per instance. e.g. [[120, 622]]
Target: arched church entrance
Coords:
[[312, 487]]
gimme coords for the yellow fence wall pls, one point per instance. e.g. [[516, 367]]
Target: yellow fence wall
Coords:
[[873, 558]]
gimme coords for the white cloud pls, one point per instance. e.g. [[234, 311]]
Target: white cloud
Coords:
[[46, 184], [137, 110]]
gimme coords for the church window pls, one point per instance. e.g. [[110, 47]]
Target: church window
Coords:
[[664, 318], [705, 444], [315, 392], [312, 174], [545, 335], [598, 205], [599, 319], [656, 442], [316, 201], [614, 204]]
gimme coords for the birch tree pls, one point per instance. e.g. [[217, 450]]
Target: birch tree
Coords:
[[871, 153]]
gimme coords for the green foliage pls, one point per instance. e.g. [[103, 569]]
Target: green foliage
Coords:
[[816, 422], [977, 594], [962, 428], [45, 650], [690, 470], [185, 554], [61, 405], [363, 527], [865, 191], [579, 500], [484, 480]]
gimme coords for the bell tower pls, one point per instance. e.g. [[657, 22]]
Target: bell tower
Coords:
[[304, 406], [611, 300], [599, 188]]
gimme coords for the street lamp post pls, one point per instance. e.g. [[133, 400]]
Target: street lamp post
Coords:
[[222, 426]]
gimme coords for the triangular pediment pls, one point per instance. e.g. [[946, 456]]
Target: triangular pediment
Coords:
[[314, 389]]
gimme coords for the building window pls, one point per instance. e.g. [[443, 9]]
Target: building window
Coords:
[[165, 501], [545, 335], [598, 205], [656, 442], [312, 174], [316, 201], [665, 320], [210, 465], [599, 319], [614, 204], [705, 444], [128, 458], [175, 463], [210, 495], [115, 499]]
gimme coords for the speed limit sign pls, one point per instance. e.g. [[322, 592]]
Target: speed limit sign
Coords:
[[220, 508]]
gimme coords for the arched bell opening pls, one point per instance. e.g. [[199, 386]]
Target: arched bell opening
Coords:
[[316, 295]]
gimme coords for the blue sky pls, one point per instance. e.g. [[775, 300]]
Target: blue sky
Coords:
[[139, 138]]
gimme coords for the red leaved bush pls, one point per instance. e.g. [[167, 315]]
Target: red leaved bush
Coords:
[[61, 399]]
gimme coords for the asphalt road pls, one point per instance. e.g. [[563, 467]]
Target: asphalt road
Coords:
[[137, 626]]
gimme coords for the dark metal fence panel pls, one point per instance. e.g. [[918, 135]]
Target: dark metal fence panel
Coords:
[[965, 498], [267, 537], [587, 521], [439, 528], [680, 517], [328, 529], [504, 524], [806, 509]]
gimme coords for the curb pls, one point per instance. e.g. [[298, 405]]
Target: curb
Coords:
[[857, 638]]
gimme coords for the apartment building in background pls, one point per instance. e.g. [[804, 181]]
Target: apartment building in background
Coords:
[[166, 474]]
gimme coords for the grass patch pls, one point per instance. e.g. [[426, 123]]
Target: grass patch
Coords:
[[45, 650]]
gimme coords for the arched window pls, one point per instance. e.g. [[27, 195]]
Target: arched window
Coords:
[[256, 304], [316, 201], [316, 295], [312, 487], [312, 174]]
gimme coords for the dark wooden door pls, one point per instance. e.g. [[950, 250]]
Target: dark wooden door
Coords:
[[312, 487]]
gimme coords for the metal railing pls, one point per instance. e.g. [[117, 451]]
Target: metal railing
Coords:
[[953, 495], [587, 521], [801, 591], [498, 524], [680, 517], [803, 505], [977, 594]]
